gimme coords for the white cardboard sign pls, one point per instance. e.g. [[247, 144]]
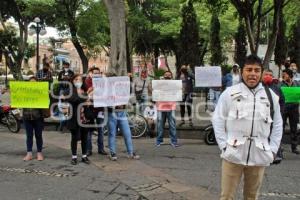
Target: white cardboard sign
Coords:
[[208, 76], [167, 90], [111, 91]]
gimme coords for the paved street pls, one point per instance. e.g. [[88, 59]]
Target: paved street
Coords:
[[189, 172]]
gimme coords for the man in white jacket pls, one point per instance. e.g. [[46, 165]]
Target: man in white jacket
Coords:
[[242, 123]]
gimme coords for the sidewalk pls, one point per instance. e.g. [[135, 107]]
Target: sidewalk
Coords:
[[56, 178], [191, 171]]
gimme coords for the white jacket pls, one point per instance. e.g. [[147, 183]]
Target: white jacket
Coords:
[[242, 123]]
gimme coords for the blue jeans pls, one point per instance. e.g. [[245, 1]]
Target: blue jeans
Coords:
[[142, 104], [100, 136], [37, 127], [119, 120], [161, 119]]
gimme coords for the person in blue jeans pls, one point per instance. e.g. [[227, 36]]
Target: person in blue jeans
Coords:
[[100, 139], [118, 119], [34, 124], [166, 110], [161, 120]]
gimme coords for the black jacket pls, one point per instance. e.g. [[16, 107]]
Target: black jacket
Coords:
[[74, 100], [32, 114]]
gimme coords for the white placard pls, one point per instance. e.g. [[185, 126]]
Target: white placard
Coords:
[[111, 91], [167, 90], [208, 76]]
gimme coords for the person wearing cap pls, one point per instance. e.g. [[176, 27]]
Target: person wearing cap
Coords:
[[236, 76], [291, 110], [242, 123]]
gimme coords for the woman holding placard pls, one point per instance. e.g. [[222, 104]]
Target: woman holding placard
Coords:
[[33, 122], [76, 122]]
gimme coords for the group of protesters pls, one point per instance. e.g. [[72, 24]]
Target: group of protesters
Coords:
[[250, 108], [82, 118]]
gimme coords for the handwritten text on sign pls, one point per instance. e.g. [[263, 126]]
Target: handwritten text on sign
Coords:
[[167, 90], [208, 76], [29, 94], [111, 91]]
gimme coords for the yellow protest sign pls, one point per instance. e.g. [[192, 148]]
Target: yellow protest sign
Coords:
[[29, 94]]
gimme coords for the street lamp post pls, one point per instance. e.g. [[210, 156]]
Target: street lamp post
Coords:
[[38, 29]]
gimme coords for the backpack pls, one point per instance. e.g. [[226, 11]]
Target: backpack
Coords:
[[279, 155]]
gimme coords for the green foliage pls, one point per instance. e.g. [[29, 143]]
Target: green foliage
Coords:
[[294, 44], [29, 51], [93, 26], [188, 48], [154, 24], [280, 51], [8, 38], [291, 15], [157, 73], [240, 38], [215, 43]]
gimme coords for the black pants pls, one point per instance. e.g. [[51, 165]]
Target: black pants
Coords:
[[293, 116], [79, 134], [187, 101]]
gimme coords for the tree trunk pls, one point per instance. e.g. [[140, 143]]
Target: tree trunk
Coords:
[[250, 35], [77, 45], [273, 37], [116, 13]]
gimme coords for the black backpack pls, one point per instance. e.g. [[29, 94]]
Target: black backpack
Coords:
[[279, 155]]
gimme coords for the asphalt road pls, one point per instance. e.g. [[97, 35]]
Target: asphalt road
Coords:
[[191, 171]]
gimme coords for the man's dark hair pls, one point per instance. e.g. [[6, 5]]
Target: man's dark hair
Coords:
[[253, 59], [168, 71], [289, 72], [268, 70], [93, 68], [66, 63]]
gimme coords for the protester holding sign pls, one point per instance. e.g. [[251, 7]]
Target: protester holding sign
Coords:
[[166, 110], [33, 122], [77, 119], [291, 109], [94, 72], [118, 89]]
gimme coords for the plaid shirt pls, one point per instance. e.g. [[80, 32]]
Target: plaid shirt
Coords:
[[42, 76]]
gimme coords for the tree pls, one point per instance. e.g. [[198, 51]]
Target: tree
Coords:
[[65, 15], [280, 51], [23, 12], [154, 27], [215, 43], [116, 13], [189, 37], [240, 52], [252, 12], [93, 28], [14, 9], [294, 44], [216, 7]]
